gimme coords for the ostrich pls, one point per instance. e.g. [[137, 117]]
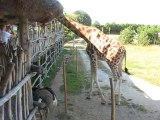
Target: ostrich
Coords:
[[47, 96], [1, 70]]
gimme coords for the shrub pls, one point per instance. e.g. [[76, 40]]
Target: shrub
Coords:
[[143, 38], [127, 35], [147, 35], [69, 36]]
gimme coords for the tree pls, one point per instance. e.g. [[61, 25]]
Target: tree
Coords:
[[71, 16], [83, 17], [106, 28], [113, 28], [97, 25]]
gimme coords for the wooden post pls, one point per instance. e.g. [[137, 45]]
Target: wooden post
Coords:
[[39, 64], [76, 62], [51, 27], [25, 65], [14, 107], [65, 85], [35, 30], [15, 60], [4, 84], [27, 107], [19, 93], [24, 105], [112, 100], [73, 43], [25, 42], [26, 46], [9, 107]]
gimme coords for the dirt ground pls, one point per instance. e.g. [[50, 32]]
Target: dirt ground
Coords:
[[137, 103]]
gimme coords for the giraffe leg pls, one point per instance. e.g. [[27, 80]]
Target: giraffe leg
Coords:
[[119, 74], [92, 83], [93, 62], [119, 91], [103, 101], [116, 85]]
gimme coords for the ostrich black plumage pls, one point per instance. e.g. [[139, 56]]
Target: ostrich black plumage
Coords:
[[46, 94]]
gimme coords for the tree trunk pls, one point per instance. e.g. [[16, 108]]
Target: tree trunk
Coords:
[[26, 45]]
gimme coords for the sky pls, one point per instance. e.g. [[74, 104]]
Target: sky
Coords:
[[117, 11]]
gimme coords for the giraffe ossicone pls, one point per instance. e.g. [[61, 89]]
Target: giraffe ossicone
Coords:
[[100, 46]]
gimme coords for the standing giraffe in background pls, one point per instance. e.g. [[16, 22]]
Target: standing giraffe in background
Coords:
[[102, 47]]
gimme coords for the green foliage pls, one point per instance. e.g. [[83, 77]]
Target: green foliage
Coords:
[[127, 35], [71, 16], [106, 28], [83, 17], [147, 35], [69, 35], [143, 38], [97, 25], [113, 28], [134, 33]]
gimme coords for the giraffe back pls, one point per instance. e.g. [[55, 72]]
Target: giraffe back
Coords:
[[107, 49]]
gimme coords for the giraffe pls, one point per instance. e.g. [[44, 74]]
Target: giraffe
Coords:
[[100, 46]]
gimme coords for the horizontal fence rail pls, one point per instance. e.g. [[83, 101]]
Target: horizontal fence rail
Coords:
[[14, 90]]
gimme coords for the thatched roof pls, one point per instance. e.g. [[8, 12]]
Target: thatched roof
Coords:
[[34, 10]]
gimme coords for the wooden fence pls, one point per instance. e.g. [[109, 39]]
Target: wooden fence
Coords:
[[16, 102]]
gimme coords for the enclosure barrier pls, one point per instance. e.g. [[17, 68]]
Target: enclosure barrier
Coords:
[[16, 102]]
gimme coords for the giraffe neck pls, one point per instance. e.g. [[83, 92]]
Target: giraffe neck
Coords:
[[89, 34], [73, 27]]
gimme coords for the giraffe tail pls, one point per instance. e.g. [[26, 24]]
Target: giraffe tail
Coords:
[[126, 69]]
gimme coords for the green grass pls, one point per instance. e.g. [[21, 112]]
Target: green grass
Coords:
[[144, 62], [76, 81]]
